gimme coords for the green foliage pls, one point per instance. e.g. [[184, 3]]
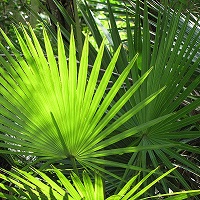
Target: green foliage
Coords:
[[63, 108], [26, 186], [128, 106], [173, 68], [192, 5]]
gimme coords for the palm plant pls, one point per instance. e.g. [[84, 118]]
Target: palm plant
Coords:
[[51, 111], [105, 117], [26, 186], [174, 53]]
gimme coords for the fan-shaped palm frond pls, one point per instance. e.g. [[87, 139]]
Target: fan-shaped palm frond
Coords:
[[51, 108], [23, 185], [174, 52]]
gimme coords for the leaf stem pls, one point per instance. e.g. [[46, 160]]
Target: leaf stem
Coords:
[[73, 161]]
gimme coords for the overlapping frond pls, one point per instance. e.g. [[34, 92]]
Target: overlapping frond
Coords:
[[40, 186], [52, 109]]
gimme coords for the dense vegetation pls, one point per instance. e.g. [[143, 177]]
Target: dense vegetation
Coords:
[[100, 101]]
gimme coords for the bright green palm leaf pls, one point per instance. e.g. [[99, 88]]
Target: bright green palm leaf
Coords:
[[79, 185], [127, 187], [28, 181], [98, 188], [66, 183], [143, 190], [42, 187], [51, 183], [52, 109], [88, 186], [95, 100]]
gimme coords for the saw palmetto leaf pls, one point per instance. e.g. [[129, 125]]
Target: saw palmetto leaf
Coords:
[[51, 108], [173, 50], [24, 185], [174, 70], [82, 118]]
